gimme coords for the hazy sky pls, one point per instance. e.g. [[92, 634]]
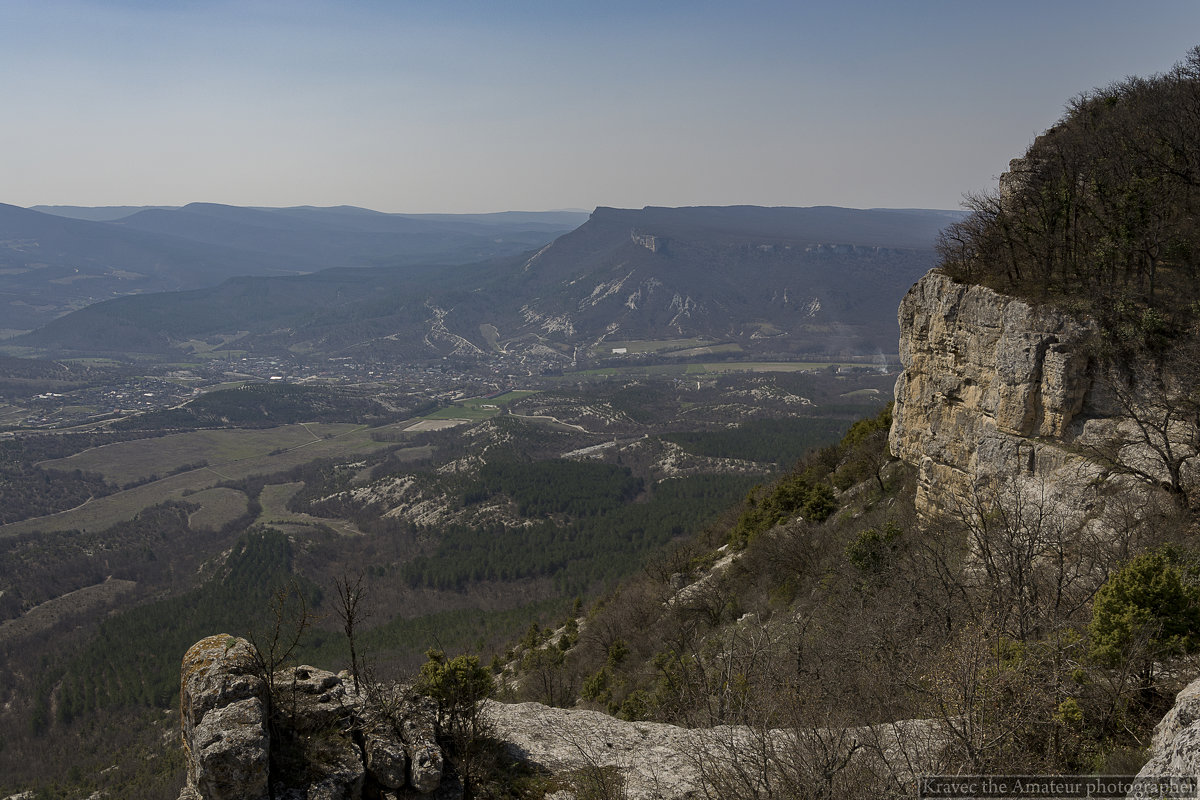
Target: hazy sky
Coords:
[[487, 106]]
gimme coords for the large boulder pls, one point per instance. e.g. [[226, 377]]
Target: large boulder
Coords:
[[387, 760], [232, 752], [312, 699], [223, 715]]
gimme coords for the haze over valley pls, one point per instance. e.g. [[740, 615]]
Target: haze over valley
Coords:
[[532, 401], [55, 260], [483, 440]]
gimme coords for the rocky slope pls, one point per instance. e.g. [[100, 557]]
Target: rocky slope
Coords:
[[656, 761], [779, 280]]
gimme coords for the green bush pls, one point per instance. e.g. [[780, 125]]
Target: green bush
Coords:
[[1147, 610], [457, 685]]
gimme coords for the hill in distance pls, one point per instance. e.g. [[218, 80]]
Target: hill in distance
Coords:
[[768, 280], [759, 281], [54, 263], [94, 213]]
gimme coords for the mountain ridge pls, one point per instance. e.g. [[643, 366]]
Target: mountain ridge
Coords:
[[759, 280], [55, 263], [744, 274]]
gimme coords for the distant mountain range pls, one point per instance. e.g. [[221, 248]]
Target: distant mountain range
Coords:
[[780, 282], [62, 258]]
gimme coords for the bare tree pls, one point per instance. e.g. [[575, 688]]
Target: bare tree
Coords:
[[290, 619], [350, 594], [1034, 559], [1156, 438], [797, 762]]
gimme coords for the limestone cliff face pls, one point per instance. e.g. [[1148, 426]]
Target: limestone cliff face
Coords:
[[992, 388]]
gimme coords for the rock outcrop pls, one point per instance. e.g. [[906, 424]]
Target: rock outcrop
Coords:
[[224, 719], [993, 388], [314, 736]]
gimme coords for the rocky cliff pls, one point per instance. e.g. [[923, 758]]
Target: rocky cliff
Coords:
[[993, 388], [997, 391], [1175, 748], [1003, 397]]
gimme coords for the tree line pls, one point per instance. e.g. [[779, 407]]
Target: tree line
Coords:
[[28, 490], [1100, 215], [264, 405], [778, 441]]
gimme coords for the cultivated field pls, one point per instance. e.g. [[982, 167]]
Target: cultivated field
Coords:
[[217, 507], [125, 462], [709, 367], [477, 408], [774, 366], [434, 424], [648, 346], [275, 512], [249, 452], [48, 614]]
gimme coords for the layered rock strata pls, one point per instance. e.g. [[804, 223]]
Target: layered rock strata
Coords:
[[993, 388]]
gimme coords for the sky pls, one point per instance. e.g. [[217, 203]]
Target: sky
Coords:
[[468, 107]]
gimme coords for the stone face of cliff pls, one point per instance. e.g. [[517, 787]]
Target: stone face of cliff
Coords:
[[224, 720], [992, 388]]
